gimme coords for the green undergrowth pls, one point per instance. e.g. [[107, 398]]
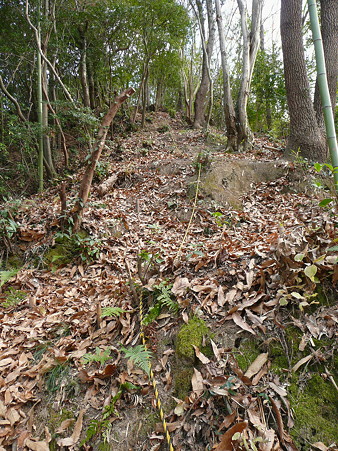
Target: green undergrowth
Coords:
[[312, 395]]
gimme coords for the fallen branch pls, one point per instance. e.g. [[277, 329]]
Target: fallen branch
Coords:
[[94, 157]]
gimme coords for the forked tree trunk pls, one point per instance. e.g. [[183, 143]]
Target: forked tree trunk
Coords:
[[94, 158], [305, 136]]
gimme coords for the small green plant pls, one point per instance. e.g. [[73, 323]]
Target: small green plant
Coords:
[[162, 297], [112, 311], [139, 356], [220, 219], [101, 171], [5, 276], [13, 297], [248, 444], [56, 376], [202, 161], [102, 425], [99, 356], [325, 168]]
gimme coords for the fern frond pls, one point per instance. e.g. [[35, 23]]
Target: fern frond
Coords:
[[139, 356], [111, 311]]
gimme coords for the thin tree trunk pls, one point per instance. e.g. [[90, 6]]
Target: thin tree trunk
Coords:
[[228, 105], [83, 68], [250, 48], [94, 158], [201, 100], [13, 100]]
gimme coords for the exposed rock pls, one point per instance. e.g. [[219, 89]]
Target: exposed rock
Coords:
[[227, 181]]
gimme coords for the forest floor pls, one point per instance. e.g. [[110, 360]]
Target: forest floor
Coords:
[[239, 308]]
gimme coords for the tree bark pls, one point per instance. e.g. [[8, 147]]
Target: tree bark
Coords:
[[250, 47], [201, 100], [94, 158], [228, 105], [305, 134], [329, 29], [83, 67]]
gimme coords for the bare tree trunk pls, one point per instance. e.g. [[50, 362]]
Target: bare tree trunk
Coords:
[[329, 29], [250, 48], [201, 100], [94, 158], [91, 84], [305, 134], [83, 70], [228, 105]]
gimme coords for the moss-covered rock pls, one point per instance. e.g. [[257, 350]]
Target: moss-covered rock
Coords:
[[65, 250]]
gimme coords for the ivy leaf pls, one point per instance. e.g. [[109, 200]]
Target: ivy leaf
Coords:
[[333, 248], [311, 271]]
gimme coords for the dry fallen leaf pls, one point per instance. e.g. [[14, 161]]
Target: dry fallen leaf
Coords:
[[226, 441], [197, 383], [37, 445], [256, 365], [74, 438], [241, 323], [301, 362], [200, 355]]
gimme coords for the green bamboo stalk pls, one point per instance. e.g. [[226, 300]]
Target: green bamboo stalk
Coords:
[[324, 89], [40, 157]]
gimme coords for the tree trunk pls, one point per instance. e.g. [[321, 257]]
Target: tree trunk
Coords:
[[305, 134], [201, 100], [94, 158], [83, 71], [228, 105], [250, 48], [91, 84], [329, 29]]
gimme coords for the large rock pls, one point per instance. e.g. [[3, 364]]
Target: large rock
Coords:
[[227, 181]]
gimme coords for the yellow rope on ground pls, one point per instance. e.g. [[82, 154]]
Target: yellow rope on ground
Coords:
[[153, 381]]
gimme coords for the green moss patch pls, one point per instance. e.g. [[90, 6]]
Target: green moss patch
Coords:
[[315, 409], [190, 335]]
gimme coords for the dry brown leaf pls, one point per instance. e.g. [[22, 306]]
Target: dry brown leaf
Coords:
[[197, 383], [320, 445], [181, 286], [301, 362], [74, 438], [37, 445], [65, 425], [226, 441], [279, 390], [256, 365], [221, 300], [200, 355], [228, 420], [241, 323]]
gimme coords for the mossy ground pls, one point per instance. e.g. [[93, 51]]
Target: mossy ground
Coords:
[[194, 333]]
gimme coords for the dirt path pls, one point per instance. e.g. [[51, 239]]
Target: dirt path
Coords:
[[64, 378]]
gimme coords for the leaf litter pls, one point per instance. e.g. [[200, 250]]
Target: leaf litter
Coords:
[[239, 273]]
